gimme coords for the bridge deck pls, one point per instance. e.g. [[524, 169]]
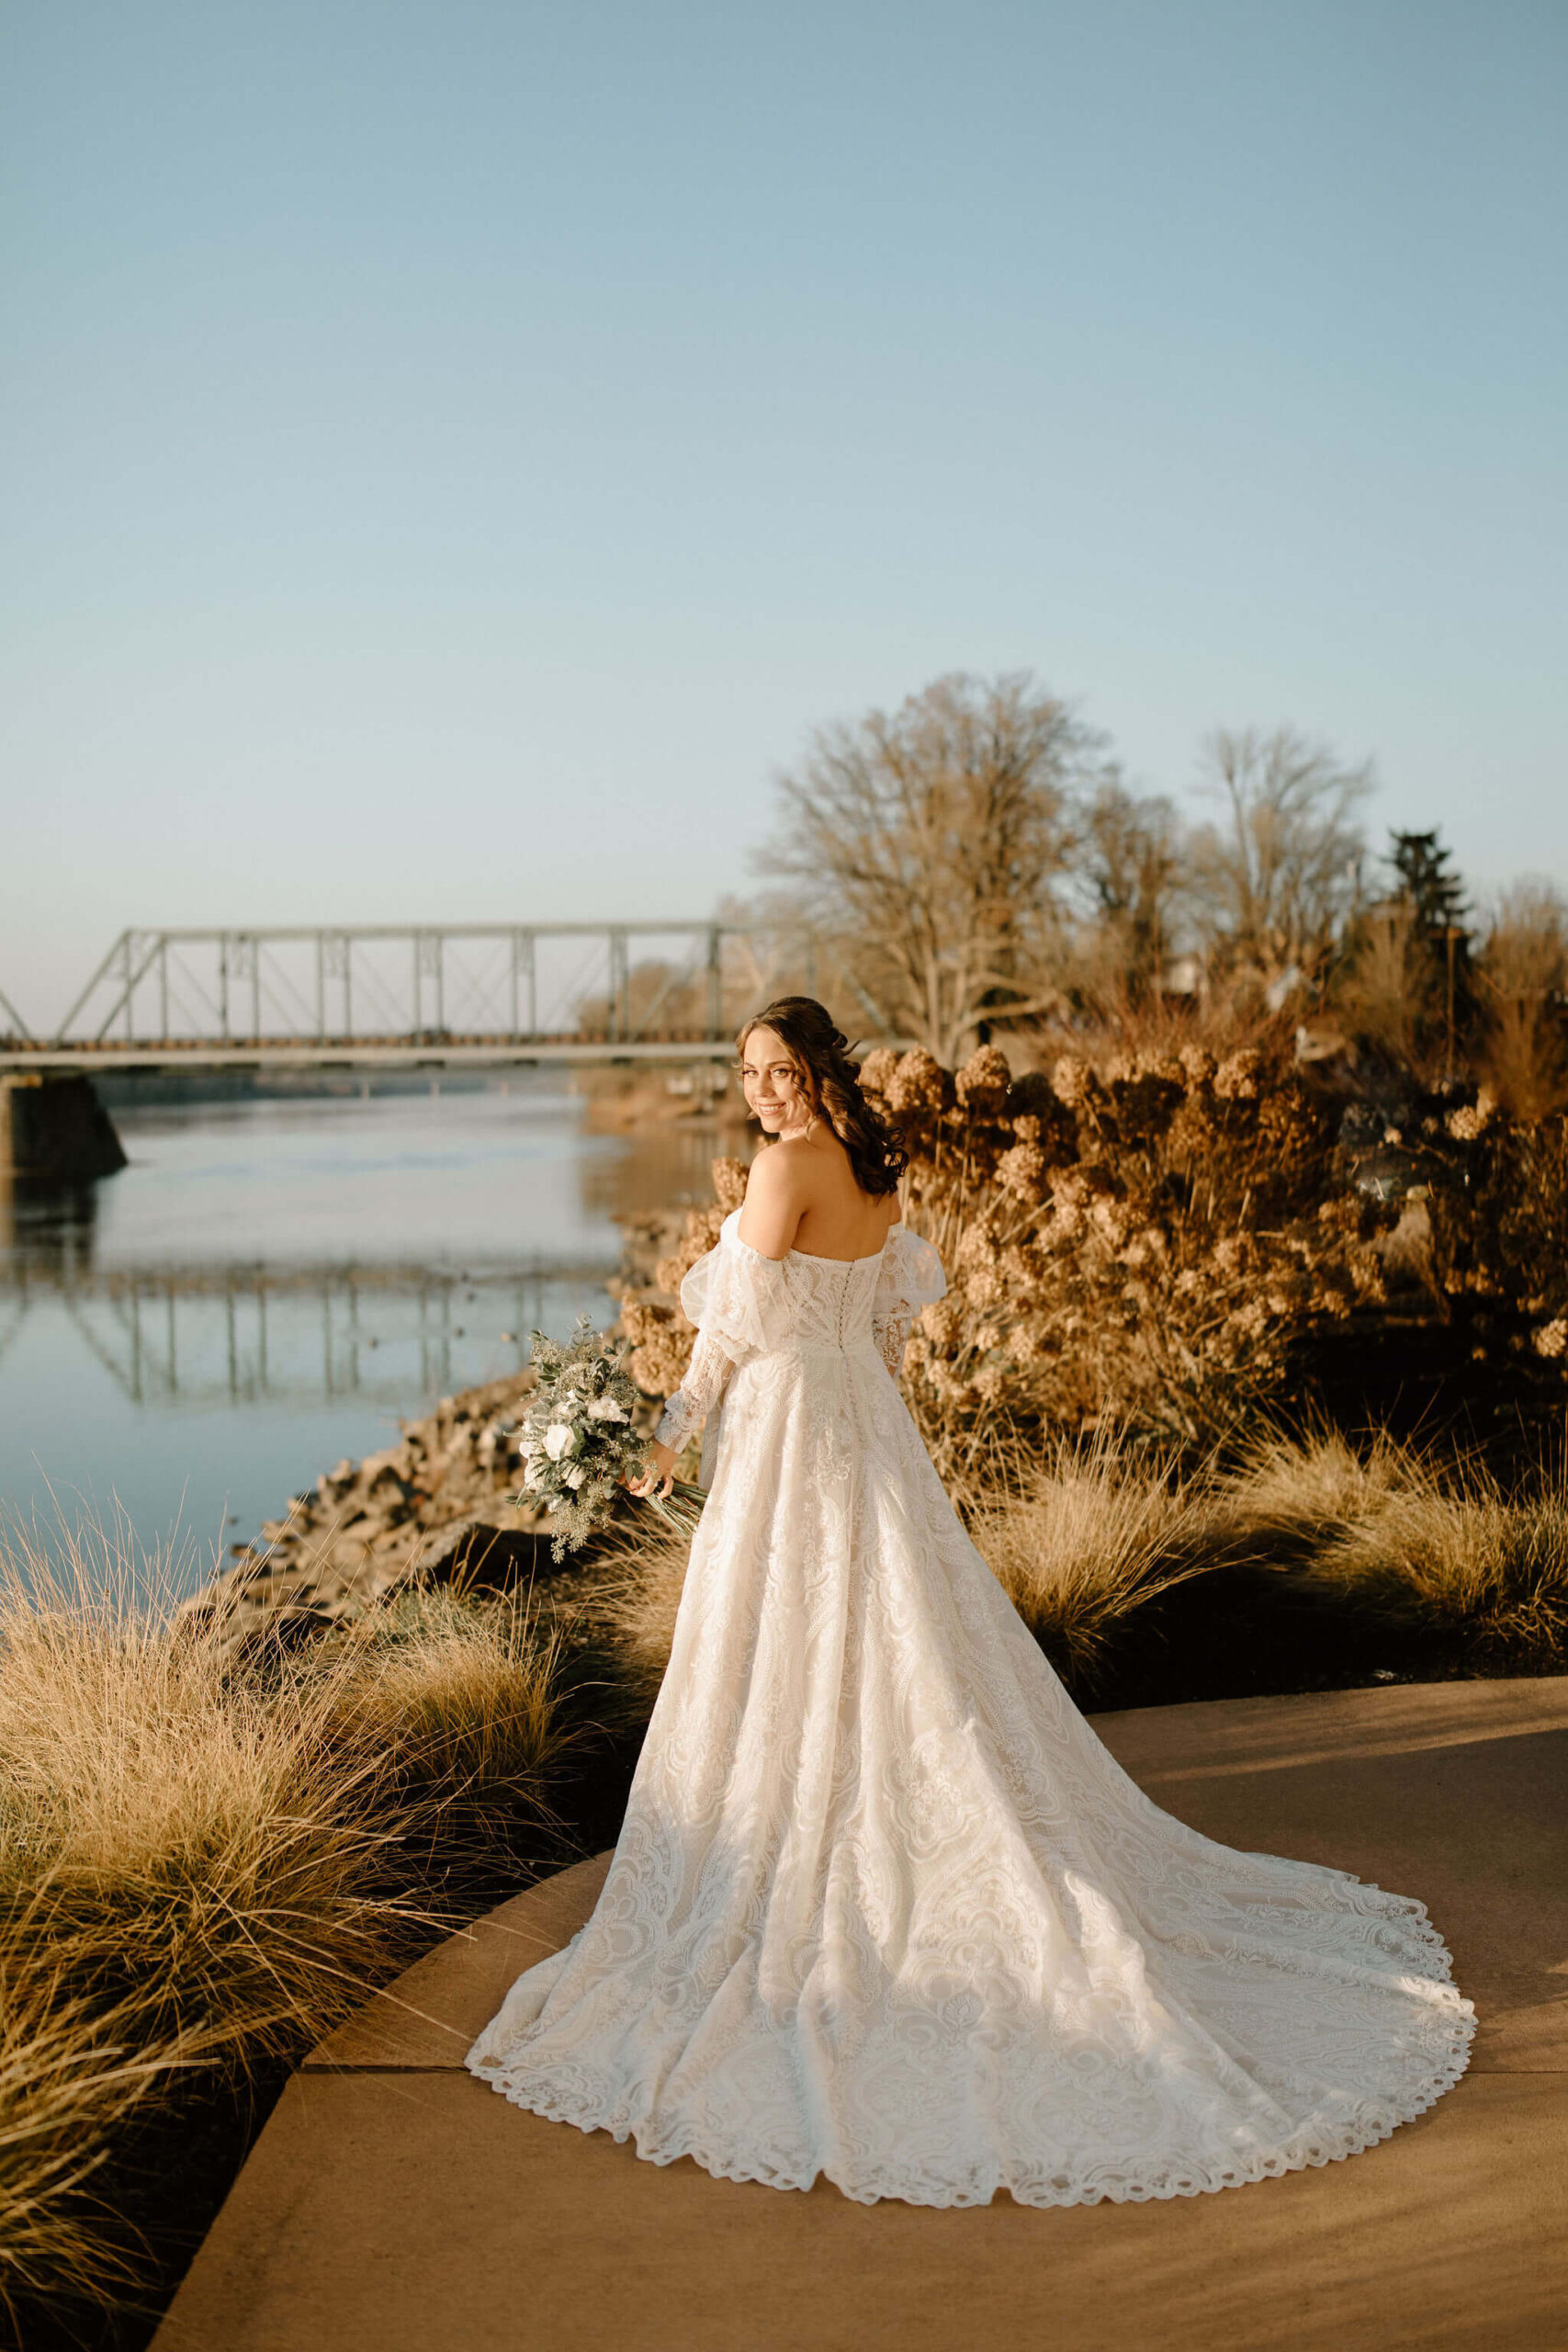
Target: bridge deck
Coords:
[[310, 1053]]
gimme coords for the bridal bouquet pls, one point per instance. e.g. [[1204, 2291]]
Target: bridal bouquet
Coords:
[[577, 1440]]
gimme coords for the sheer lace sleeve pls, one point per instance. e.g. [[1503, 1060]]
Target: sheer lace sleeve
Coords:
[[698, 1394], [739, 1302], [911, 1277]]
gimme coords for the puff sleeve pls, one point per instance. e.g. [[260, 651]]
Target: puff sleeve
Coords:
[[911, 1277], [739, 1302]]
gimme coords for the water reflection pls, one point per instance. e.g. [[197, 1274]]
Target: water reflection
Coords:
[[240, 1336], [44, 1226], [271, 1284]]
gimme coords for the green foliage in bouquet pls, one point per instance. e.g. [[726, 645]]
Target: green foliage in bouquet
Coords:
[[577, 1440]]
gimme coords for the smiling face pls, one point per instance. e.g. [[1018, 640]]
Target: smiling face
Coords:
[[775, 1089]]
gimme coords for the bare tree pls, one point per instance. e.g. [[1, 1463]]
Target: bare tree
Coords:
[[930, 841], [1129, 862], [1275, 882]]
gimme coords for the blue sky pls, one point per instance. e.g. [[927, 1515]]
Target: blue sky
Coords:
[[455, 454]]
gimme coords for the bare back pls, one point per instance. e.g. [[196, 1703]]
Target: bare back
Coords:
[[802, 1195]]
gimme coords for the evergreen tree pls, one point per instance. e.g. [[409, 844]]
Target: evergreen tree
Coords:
[[1429, 883], [1435, 895]]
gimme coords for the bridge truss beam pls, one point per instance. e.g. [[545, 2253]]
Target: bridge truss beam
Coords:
[[313, 993]]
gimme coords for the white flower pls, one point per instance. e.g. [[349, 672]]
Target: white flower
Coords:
[[560, 1438], [575, 1475], [604, 1408]]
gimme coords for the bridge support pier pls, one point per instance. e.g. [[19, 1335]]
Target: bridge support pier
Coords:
[[55, 1129]]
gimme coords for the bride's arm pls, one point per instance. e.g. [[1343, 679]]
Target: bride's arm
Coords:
[[891, 1333], [733, 1291], [686, 1412], [699, 1392]]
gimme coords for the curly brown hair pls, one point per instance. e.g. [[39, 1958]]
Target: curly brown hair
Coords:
[[830, 1079]]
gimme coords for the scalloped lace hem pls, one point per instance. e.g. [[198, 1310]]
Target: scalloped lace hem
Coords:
[[1095, 2186]]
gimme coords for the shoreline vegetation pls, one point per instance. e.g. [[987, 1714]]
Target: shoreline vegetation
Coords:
[[1236, 1392]]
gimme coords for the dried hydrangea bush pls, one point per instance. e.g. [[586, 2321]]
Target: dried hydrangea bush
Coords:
[[1134, 1245], [1496, 1192], [1141, 1243]]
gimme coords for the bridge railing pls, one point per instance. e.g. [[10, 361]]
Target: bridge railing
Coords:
[[346, 984]]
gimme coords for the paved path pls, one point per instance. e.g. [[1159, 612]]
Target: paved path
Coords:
[[394, 2204]]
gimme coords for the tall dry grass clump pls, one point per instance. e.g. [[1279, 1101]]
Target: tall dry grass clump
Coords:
[[1523, 969], [1459, 1556], [1436, 1548], [1080, 1541], [1284, 1497], [207, 1861], [75, 2074], [633, 1601], [457, 1708]]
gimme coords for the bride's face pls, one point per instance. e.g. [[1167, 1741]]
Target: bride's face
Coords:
[[772, 1084]]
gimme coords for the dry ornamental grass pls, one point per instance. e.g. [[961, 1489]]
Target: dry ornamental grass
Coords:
[[206, 1862]]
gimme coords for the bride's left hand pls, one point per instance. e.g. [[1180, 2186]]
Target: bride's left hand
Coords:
[[659, 1477]]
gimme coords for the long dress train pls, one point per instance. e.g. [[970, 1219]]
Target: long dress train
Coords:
[[884, 1907]]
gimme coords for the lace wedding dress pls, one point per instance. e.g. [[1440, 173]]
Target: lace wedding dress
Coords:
[[884, 1907]]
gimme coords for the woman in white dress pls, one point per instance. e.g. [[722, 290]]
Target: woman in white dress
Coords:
[[883, 1907]]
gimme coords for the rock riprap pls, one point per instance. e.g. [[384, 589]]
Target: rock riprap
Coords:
[[434, 1507]]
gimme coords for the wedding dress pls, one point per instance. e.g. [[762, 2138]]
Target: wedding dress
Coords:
[[884, 1907]]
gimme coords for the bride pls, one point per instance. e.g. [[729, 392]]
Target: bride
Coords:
[[883, 1907]]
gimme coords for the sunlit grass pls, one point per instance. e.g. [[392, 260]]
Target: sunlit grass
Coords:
[[1081, 1536], [458, 1706], [1284, 1497], [207, 1861], [631, 1600], [1464, 1559], [1081, 1539]]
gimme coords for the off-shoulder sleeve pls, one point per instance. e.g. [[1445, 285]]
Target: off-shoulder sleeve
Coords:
[[737, 1297], [739, 1302], [910, 1277]]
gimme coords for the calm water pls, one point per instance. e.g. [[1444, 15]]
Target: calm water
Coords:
[[271, 1284]]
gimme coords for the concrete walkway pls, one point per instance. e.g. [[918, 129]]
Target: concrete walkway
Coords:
[[394, 2204]]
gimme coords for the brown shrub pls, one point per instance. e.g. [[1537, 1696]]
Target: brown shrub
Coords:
[[1136, 1245], [1145, 1242]]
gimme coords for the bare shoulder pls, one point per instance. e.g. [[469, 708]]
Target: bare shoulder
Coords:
[[781, 1172], [778, 1190]]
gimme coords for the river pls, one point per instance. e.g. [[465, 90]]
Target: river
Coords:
[[275, 1281]]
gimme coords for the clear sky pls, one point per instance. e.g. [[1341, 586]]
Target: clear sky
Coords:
[[453, 453]]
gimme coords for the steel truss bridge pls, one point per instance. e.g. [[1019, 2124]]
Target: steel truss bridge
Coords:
[[443, 994]]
